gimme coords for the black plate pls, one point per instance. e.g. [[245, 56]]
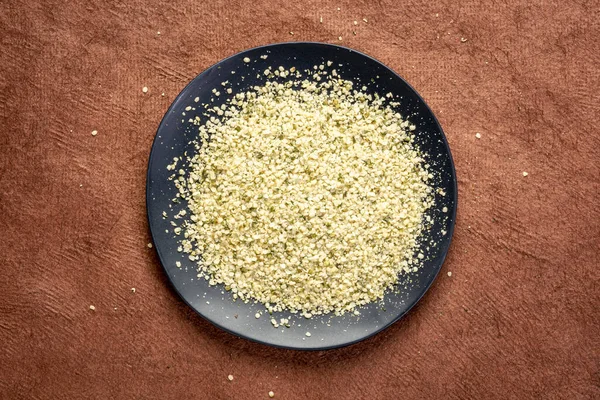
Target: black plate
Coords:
[[217, 305]]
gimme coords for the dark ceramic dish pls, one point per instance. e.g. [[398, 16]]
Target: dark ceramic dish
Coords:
[[217, 305]]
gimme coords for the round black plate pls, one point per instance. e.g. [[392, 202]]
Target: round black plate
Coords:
[[217, 305]]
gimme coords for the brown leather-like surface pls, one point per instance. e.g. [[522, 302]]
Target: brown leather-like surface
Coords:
[[518, 318]]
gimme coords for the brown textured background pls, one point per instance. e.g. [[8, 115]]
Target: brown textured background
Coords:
[[518, 318]]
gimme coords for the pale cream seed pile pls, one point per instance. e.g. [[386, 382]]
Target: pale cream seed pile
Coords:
[[307, 195]]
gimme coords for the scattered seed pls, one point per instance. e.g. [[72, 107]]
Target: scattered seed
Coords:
[[291, 33], [149, 245], [525, 173], [92, 308], [463, 40], [449, 273], [246, 60], [230, 377], [355, 22], [94, 133], [221, 218], [321, 19], [158, 33], [145, 89], [132, 290], [340, 38], [478, 135], [271, 394], [364, 19]]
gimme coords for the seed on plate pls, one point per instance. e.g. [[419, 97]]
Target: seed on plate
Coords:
[[257, 315], [445, 209], [308, 334], [246, 59], [336, 152]]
